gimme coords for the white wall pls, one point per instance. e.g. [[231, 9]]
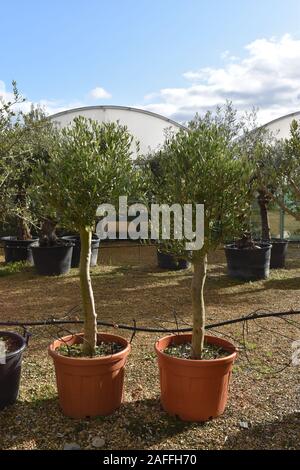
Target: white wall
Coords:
[[148, 128], [281, 127]]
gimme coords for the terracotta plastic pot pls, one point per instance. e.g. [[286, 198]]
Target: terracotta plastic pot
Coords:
[[89, 386], [194, 390]]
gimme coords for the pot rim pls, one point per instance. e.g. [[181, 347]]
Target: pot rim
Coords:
[[280, 240], [13, 240], [20, 349], [272, 240], [95, 237], [196, 362], [77, 361], [232, 246], [68, 244]]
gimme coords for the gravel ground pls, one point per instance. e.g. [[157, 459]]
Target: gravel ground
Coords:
[[263, 409]]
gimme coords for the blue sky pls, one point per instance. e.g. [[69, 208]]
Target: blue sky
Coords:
[[165, 55]]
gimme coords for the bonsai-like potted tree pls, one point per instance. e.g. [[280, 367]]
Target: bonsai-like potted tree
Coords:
[[52, 255], [27, 135], [249, 259], [91, 165], [12, 344], [203, 165], [279, 172], [260, 143], [11, 132], [279, 246]]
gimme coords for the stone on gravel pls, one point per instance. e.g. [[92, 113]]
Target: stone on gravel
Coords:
[[98, 442], [244, 425], [71, 446]]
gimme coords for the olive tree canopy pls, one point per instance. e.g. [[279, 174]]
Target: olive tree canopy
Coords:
[[90, 165], [206, 165]]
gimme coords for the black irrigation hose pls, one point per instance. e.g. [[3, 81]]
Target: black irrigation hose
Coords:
[[252, 316]]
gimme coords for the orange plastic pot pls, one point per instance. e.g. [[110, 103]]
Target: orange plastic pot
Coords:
[[89, 386], [194, 390]]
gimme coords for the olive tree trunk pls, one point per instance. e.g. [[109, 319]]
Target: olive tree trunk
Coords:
[[198, 282], [22, 226], [263, 202], [48, 237], [23, 230], [88, 303]]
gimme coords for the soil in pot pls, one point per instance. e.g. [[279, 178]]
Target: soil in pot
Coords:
[[184, 351], [17, 250], [52, 260], [194, 390], [248, 264], [102, 349], [12, 346], [90, 386], [77, 248], [171, 262]]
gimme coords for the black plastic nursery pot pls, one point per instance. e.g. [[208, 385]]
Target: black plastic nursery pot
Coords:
[[77, 248], [52, 260], [248, 264], [10, 368], [169, 261], [17, 250], [278, 253]]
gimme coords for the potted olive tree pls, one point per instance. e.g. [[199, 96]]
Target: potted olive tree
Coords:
[[202, 166], [12, 344], [249, 259], [279, 172], [91, 165], [11, 133], [29, 135], [259, 144], [279, 246]]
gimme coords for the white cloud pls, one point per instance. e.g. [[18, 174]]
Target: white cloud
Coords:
[[99, 93], [49, 106], [268, 77]]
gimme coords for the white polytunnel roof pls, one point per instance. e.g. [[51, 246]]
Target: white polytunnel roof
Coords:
[[281, 126], [148, 128]]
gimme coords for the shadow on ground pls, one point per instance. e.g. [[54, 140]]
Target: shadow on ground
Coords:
[[136, 425], [280, 434]]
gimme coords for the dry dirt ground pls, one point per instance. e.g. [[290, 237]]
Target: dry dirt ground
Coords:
[[263, 409]]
